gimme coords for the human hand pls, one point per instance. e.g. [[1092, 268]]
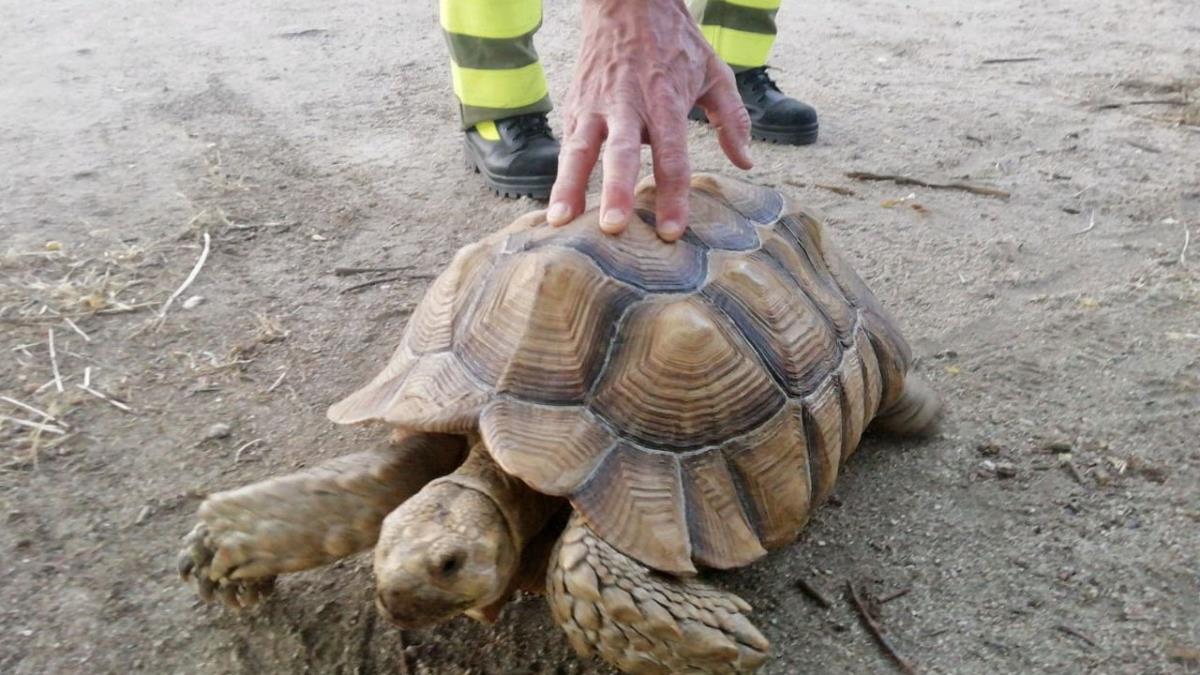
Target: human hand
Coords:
[[642, 65]]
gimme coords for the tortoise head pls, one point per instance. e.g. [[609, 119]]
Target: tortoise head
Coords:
[[445, 551]]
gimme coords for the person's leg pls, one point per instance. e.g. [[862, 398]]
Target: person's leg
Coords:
[[742, 33], [501, 92]]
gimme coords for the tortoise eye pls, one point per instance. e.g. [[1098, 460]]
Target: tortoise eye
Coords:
[[450, 564]]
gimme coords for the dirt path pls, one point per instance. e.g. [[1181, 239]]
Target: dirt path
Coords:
[[1054, 528]]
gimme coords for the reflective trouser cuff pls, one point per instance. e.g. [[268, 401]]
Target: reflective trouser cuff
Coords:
[[472, 115], [493, 63], [741, 32]]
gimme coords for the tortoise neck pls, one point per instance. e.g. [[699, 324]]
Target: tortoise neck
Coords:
[[525, 510]]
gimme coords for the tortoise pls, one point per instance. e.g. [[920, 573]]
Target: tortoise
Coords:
[[597, 418]]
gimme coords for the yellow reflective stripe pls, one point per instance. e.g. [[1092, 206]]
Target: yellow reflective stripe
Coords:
[[488, 130], [509, 88], [491, 18], [737, 47], [756, 4]]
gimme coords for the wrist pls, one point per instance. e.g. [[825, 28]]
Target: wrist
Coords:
[[617, 7]]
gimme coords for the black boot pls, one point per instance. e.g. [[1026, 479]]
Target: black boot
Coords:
[[774, 117], [519, 160]]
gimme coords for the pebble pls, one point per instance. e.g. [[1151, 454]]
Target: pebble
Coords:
[[1006, 470], [999, 469], [218, 430]]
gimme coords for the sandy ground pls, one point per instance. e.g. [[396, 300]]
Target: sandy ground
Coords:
[[1053, 528]]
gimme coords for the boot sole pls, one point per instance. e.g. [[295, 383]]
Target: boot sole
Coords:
[[805, 135], [534, 187]]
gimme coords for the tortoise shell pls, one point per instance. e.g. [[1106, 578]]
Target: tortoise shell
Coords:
[[692, 400]]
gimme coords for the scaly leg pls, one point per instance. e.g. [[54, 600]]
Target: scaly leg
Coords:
[[643, 621], [307, 519]]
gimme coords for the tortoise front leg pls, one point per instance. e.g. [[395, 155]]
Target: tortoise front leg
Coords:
[[642, 621], [307, 519]]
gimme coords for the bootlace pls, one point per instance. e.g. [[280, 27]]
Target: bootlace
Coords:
[[530, 126], [757, 80]]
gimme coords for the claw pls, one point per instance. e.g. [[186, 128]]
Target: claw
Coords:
[[205, 587], [228, 594], [199, 563], [184, 564]]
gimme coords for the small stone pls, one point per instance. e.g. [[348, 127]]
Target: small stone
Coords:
[[988, 449], [191, 302], [1006, 470], [1057, 446], [218, 430]]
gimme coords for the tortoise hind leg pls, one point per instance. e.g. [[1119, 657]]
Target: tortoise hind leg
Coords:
[[248, 536], [643, 621], [916, 413]]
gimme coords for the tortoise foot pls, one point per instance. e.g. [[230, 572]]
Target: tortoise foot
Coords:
[[208, 562], [643, 621]]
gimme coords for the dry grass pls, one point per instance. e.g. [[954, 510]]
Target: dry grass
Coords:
[[39, 286], [52, 301]]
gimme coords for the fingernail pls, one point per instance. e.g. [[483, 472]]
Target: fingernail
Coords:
[[746, 153], [671, 230], [558, 213], [613, 218]]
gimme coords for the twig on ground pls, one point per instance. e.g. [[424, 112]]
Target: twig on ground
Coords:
[[77, 329], [1091, 224], [351, 271], [845, 191], [35, 411], [33, 425], [1063, 628], [54, 318], [54, 361], [47, 385], [1159, 101], [105, 397], [374, 282], [1017, 59], [1074, 472], [1187, 239], [1142, 146], [237, 454], [877, 631], [277, 382], [894, 596], [908, 180], [813, 593], [190, 277], [255, 226]]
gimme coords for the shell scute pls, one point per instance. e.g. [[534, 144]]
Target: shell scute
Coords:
[[680, 378], [541, 327]]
